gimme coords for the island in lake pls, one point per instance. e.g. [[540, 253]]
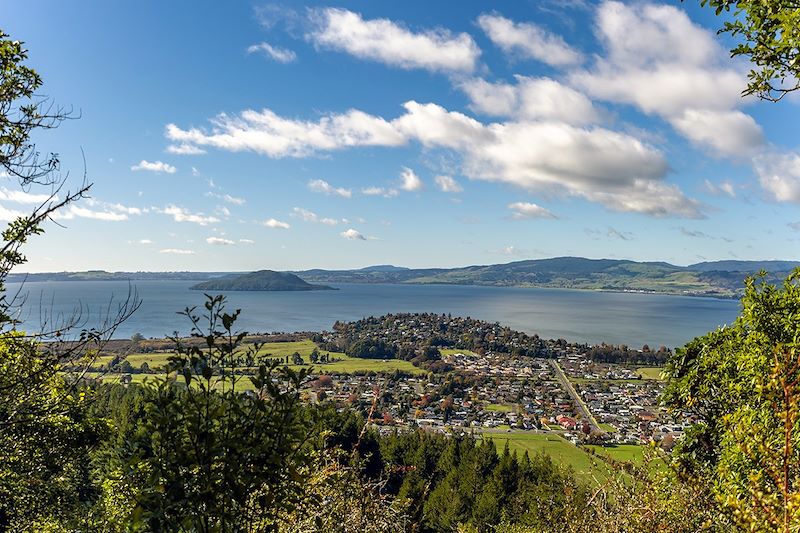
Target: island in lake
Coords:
[[262, 280]]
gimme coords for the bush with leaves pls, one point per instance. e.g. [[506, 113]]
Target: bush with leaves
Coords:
[[742, 385], [205, 455]]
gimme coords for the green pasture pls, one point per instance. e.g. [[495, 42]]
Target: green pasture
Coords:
[[453, 351], [342, 364], [498, 407], [624, 453], [558, 448], [650, 372]]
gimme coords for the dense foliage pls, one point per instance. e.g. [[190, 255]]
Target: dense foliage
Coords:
[[742, 384], [769, 36]]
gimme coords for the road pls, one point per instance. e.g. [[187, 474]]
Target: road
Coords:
[[586, 414]]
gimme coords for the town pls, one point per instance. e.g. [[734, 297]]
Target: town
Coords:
[[456, 375]]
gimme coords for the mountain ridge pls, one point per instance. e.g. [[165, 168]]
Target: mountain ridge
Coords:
[[716, 278]]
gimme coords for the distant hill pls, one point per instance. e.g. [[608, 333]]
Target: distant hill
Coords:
[[383, 268], [102, 275], [262, 280], [723, 279], [716, 278], [744, 266]]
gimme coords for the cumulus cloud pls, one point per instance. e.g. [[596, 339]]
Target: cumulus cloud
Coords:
[[98, 210], [532, 98], [276, 224], [185, 149], [723, 188], [779, 175], [409, 181], [447, 184], [176, 251], [7, 215], [523, 210], [730, 133], [595, 163], [310, 216], [658, 60], [528, 40], [281, 55], [22, 197], [391, 43], [322, 186], [180, 214], [74, 211], [219, 241], [353, 235], [267, 133], [379, 191], [154, 166]]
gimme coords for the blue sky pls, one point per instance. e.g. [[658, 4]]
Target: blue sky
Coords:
[[242, 135]]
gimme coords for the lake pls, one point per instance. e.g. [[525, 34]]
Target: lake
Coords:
[[585, 316]]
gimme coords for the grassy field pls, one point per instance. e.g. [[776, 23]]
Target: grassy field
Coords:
[[344, 365], [451, 351], [556, 447], [242, 385], [627, 453], [650, 372], [498, 407]]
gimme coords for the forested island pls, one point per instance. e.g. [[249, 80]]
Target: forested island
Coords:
[[262, 280]]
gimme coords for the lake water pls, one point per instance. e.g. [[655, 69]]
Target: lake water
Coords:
[[585, 316]]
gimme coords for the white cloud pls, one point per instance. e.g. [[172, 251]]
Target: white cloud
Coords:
[[75, 211], [447, 184], [724, 187], [176, 251], [281, 55], [22, 197], [597, 164], [154, 166], [658, 60], [730, 133], [180, 214], [434, 126], [219, 241], [8, 215], [247, 241], [512, 250], [267, 133], [523, 210], [185, 149], [379, 191], [227, 198], [310, 216], [779, 175], [276, 224], [410, 181], [390, 43], [323, 187], [353, 235], [601, 165], [145, 241], [528, 40], [532, 98]]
